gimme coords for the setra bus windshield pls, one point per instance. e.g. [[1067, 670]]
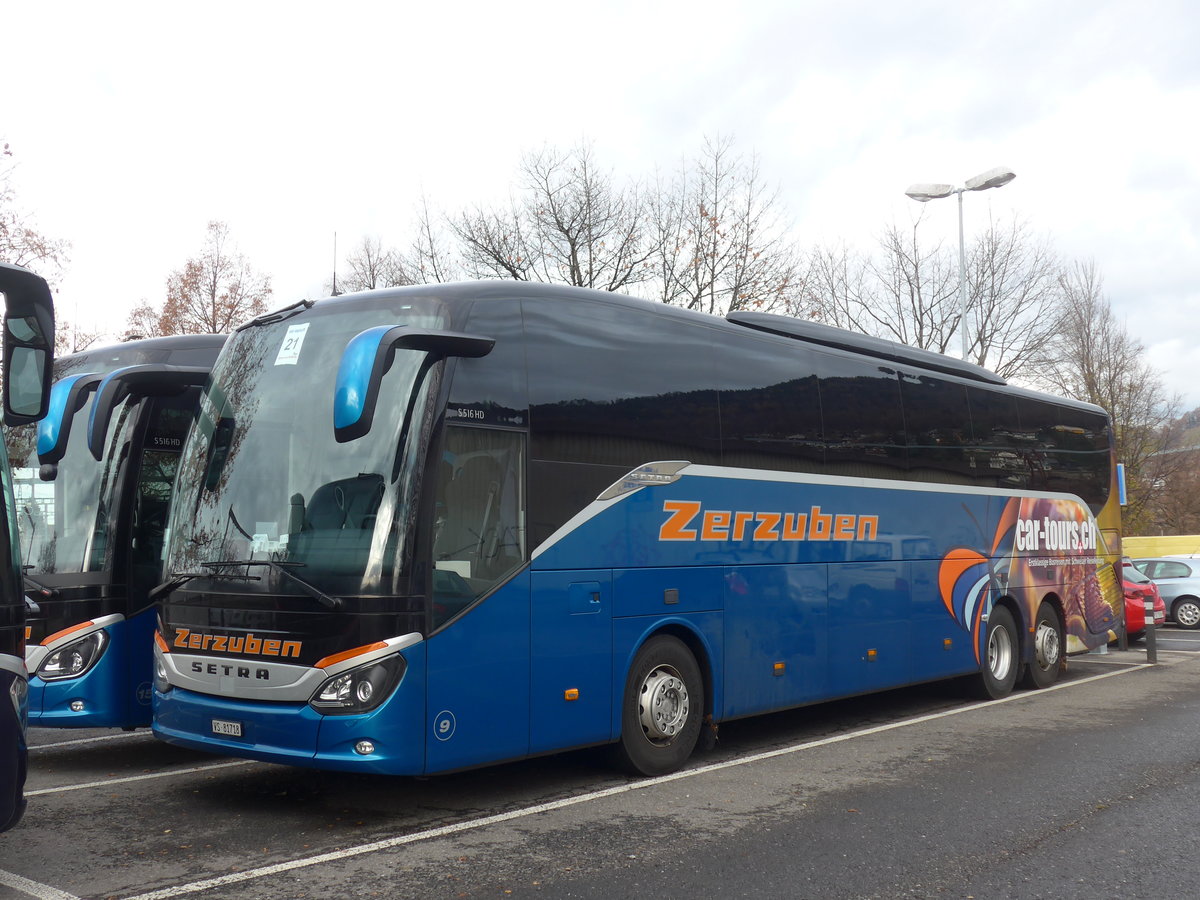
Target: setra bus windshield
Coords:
[[264, 481]]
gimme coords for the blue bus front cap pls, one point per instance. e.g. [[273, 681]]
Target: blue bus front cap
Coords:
[[294, 733]]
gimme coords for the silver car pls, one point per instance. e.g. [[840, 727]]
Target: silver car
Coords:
[[1178, 580]]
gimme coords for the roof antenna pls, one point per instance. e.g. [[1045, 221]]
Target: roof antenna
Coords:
[[335, 290]]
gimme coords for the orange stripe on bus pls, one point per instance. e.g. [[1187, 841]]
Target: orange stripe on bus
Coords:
[[61, 634], [349, 654]]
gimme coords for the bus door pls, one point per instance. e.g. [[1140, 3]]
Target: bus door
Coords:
[[477, 705]]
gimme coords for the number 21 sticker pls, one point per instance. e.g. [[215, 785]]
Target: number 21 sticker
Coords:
[[289, 350]]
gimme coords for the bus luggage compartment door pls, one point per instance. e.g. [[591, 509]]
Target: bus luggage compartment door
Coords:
[[571, 690]]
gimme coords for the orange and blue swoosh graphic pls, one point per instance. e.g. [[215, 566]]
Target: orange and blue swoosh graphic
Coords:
[[1041, 549]]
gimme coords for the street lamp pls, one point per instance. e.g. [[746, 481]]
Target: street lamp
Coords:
[[923, 193]]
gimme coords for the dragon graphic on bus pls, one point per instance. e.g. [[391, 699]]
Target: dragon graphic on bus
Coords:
[[1038, 544]]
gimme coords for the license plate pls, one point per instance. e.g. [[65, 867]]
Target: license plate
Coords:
[[229, 729]]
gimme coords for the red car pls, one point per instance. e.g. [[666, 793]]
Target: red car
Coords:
[[1137, 588]]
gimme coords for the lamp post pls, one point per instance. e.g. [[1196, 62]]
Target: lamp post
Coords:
[[923, 193]]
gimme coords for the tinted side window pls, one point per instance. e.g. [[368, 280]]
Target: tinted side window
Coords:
[[491, 390], [1070, 450], [610, 388], [770, 405], [863, 424], [937, 426], [999, 452]]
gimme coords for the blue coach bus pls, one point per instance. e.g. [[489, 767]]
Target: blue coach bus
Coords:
[[430, 528], [28, 357], [92, 523]]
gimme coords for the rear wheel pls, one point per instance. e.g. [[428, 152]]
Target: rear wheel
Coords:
[[662, 708], [1186, 612], [1047, 648], [999, 666]]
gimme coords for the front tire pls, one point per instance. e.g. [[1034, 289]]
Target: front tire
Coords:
[[1046, 665], [1001, 661], [662, 708], [1186, 612]]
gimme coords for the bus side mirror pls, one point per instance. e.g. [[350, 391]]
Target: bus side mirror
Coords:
[[367, 358], [28, 344], [66, 398], [151, 380]]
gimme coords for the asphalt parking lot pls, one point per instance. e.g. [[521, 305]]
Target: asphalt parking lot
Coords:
[[122, 815]]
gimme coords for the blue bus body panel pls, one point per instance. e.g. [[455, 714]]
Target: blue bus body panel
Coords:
[[115, 691], [396, 728], [276, 732], [774, 614], [478, 682], [793, 590]]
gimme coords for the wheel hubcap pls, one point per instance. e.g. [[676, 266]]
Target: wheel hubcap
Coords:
[[999, 653], [663, 705], [1188, 614], [1047, 645]]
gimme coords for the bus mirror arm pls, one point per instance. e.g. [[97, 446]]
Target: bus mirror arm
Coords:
[[369, 355], [157, 380]]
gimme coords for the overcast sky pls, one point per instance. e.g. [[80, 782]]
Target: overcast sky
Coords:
[[133, 125]]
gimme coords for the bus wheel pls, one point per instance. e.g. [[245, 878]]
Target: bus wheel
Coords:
[[661, 709], [1047, 649], [1000, 664]]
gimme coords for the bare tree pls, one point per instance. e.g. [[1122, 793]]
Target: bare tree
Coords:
[[430, 259], [720, 243], [1094, 358], [1175, 508], [568, 224], [21, 242], [1014, 282], [211, 294], [70, 338], [910, 293], [370, 266]]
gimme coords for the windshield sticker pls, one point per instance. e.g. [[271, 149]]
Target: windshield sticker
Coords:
[[289, 350]]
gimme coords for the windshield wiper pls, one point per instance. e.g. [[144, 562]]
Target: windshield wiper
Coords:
[[178, 579], [283, 569], [278, 315]]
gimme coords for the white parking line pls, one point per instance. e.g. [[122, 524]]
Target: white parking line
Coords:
[[196, 887], [92, 740], [99, 784], [33, 888]]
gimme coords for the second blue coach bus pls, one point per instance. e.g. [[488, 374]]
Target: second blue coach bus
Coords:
[[93, 521], [430, 528]]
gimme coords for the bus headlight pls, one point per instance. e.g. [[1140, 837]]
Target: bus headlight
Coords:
[[74, 659], [161, 683], [359, 690]]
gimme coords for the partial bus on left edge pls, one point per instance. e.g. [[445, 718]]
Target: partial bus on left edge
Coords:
[[28, 358]]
